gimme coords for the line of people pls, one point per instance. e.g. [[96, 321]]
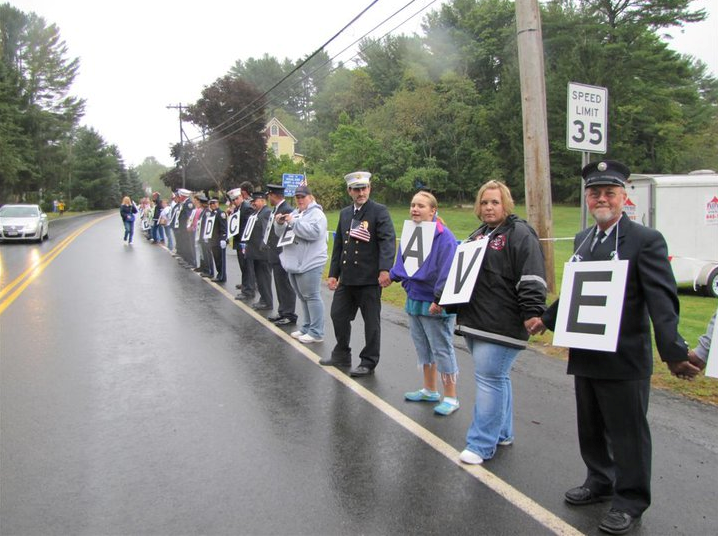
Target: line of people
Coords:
[[506, 306]]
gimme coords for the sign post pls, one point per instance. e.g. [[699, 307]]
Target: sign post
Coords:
[[586, 125]]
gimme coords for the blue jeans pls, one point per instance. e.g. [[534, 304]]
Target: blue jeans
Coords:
[[158, 232], [129, 230], [433, 338], [493, 410], [306, 286], [170, 236]]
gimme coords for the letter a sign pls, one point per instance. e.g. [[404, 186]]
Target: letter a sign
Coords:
[[589, 313], [416, 241], [463, 272]]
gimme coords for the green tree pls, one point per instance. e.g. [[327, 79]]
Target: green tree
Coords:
[[231, 113], [95, 170]]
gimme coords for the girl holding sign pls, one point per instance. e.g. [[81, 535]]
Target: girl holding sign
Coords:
[[508, 295], [425, 253]]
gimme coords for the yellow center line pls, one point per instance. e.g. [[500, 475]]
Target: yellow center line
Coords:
[[523, 502], [8, 295]]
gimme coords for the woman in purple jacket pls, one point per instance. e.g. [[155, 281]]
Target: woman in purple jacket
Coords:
[[430, 326]]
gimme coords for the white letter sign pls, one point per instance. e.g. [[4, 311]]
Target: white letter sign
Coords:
[[416, 241], [233, 224], [464, 271], [712, 366], [209, 227], [589, 313], [248, 229]]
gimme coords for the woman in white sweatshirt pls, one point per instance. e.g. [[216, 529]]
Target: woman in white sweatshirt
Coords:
[[304, 258]]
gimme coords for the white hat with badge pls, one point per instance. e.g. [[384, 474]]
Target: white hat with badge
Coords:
[[358, 179]]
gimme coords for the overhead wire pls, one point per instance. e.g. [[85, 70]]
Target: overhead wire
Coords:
[[224, 125], [317, 51], [318, 68], [229, 122]]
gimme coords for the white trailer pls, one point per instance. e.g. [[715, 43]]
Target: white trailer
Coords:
[[684, 208]]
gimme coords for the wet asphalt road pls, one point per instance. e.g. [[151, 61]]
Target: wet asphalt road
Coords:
[[138, 398]]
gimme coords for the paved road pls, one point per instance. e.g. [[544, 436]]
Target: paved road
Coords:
[[138, 398]]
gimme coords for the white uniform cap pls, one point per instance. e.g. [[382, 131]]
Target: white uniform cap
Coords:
[[357, 179], [184, 192], [234, 193]]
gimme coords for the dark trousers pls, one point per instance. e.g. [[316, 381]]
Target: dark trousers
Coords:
[[263, 279], [615, 440], [246, 268], [205, 258], [220, 261], [286, 296], [184, 245], [347, 301]]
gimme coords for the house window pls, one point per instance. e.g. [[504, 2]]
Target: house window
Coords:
[[274, 129], [275, 148]]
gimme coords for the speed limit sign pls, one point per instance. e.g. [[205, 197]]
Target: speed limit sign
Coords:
[[587, 118]]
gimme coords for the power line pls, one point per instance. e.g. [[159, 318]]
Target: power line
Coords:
[[229, 122]]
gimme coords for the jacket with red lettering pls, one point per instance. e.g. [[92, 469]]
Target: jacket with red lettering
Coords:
[[510, 287]]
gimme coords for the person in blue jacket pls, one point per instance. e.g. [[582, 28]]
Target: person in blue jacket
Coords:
[[431, 328]]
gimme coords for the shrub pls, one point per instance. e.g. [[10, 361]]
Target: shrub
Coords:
[[79, 204]]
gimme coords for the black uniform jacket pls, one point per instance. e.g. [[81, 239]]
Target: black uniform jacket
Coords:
[[650, 291], [256, 250], [274, 251], [355, 262], [219, 231]]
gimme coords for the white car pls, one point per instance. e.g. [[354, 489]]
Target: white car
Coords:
[[23, 222]]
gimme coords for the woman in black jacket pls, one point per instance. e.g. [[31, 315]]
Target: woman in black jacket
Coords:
[[127, 212], [510, 292]]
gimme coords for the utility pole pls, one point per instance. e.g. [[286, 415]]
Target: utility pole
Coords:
[[181, 154], [536, 150]]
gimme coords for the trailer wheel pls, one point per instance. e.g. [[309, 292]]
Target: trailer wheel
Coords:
[[711, 288]]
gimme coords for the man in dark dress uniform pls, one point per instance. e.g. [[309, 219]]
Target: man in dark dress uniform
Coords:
[[256, 252], [218, 240], [363, 254], [285, 293], [241, 202], [612, 388], [205, 267], [183, 235]]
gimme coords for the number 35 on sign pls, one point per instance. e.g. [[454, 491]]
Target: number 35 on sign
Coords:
[[587, 118]]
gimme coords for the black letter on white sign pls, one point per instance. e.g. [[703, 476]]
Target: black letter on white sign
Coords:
[[578, 300]]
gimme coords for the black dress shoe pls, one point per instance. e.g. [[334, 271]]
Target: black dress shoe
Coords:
[[261, 306], [196, 269], [284, 321], [274, 318], [332, 363], [361, 370], [615, 522], [215, 280], [581, 496], [238, 287], [244, 297], [204, 274]]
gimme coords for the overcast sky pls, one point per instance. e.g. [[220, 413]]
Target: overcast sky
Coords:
[[140, 56]]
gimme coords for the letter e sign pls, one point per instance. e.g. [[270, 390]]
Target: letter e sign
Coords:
[[589, 312]]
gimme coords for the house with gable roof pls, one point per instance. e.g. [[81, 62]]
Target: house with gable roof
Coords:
[[280, 140]]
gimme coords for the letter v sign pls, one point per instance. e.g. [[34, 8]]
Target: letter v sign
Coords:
[[464, 279]]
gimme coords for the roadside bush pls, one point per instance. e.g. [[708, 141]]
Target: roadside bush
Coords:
[[79, 204], [330, 191]]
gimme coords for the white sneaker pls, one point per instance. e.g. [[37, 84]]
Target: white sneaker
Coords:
[[308, 339], [470, 458], [296, 334], [507, 442]]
